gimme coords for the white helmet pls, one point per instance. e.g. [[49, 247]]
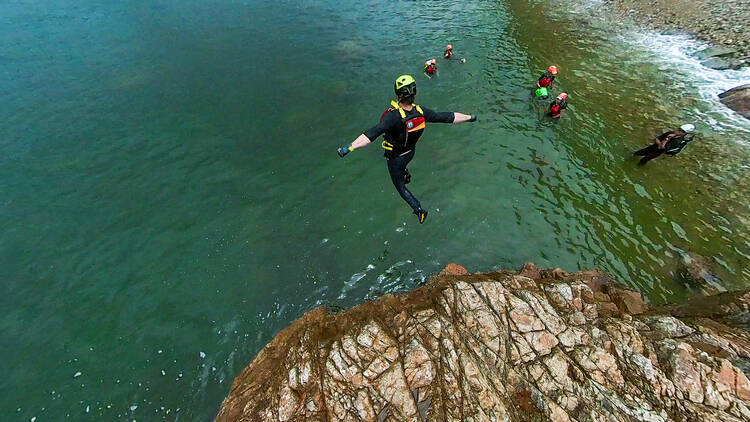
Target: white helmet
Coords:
[[687, 128]]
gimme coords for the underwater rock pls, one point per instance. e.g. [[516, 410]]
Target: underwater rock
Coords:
[[509, 345], [699, 273]]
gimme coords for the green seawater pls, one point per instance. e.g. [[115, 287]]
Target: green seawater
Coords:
[[170, 194]]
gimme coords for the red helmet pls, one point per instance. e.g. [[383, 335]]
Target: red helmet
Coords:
[[552, 69], [562, 97], [449, 47]]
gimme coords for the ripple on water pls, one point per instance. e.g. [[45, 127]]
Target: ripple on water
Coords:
[[197, 209]]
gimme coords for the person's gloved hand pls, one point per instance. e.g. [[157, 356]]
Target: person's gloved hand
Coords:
[[473, 118], [343, 151]]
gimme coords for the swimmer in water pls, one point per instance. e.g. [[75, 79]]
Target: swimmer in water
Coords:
[[670, 143], [448, 55], [430, 67]]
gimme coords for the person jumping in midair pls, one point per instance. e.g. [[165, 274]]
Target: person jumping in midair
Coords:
[[403, 124]]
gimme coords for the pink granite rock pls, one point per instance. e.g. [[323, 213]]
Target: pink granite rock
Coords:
[[534, 345]]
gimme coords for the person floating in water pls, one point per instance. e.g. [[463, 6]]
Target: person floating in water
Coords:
[[545, 81], [430, 67], [557, 107], [670, 143], [448, 55], [403, 124], [448, 52]]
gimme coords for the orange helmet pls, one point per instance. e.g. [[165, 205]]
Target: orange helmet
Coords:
[[449, 47], [552, 69], [562, 97]]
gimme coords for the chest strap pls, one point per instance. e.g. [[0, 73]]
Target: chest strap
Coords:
[[395, 106], [402, 112]]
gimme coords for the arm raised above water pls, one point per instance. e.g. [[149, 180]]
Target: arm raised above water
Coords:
[[447, 117], [361, 141], [461, 118], [371, 134]]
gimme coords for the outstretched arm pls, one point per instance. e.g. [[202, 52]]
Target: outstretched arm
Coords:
[[447, 117], [460, 118], [361, 141], [371, 134]]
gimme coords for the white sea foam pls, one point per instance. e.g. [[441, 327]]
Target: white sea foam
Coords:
[[678, 53], [349, 285]]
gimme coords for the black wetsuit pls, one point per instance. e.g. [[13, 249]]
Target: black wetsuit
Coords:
[[403, 146], [677, 141]]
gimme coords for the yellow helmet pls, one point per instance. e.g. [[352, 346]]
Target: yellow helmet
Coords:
[[405, 86]]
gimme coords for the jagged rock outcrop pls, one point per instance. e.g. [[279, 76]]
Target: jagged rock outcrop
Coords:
[[532, 345]]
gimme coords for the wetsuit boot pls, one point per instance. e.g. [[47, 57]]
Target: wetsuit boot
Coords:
[[421, 215]]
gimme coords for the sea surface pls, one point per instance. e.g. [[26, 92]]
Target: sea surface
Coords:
[[171, 197]]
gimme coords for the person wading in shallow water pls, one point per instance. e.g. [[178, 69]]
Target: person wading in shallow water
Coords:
[[403, 124], [670, 143], [545, 81], [557, 107]]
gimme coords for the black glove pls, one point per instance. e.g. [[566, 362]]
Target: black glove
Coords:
[[343, 151], [473, 118]]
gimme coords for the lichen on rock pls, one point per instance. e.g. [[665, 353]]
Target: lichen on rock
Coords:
[[521, 346]]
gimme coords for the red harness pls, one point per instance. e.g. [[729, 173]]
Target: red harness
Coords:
[[414, 125]]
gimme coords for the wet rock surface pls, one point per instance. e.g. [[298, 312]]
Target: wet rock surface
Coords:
[[524, 346], [723, 23], [738, 99]]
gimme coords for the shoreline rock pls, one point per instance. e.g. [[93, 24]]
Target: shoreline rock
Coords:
[[738, 99], [721, 23], [509, 345]]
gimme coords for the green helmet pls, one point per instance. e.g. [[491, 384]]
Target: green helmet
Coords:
[[405, 86]]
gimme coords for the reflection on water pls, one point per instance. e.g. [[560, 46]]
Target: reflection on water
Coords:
[[172, 196]]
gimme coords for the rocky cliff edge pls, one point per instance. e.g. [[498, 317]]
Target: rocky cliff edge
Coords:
[[528, 345]]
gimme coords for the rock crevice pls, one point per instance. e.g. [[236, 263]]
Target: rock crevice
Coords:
[[527, 345]]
